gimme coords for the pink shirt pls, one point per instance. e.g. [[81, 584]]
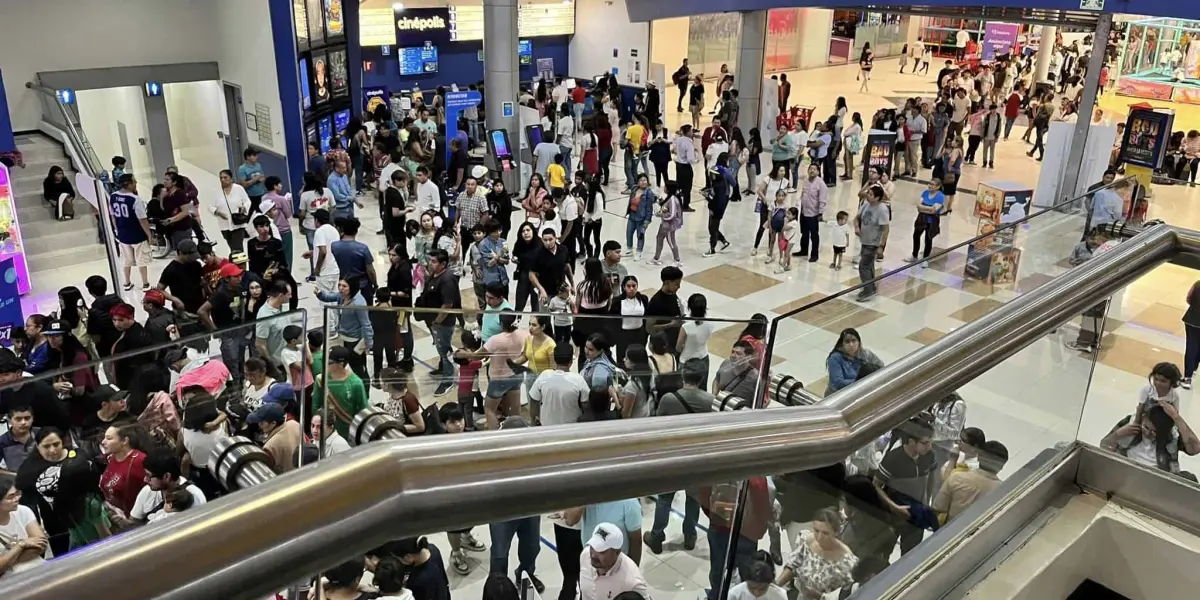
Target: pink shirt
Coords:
[[504, 347], [813, 197]]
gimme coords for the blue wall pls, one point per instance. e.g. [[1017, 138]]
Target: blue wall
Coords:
[[458, 62]]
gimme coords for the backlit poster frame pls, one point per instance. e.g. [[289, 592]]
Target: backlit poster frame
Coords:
[[1145, 140], [339, 75], [321, 80], [316, 22], [300, 19], [306, 99], [335, 21]]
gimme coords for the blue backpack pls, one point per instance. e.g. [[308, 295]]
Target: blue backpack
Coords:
[[778, 218]]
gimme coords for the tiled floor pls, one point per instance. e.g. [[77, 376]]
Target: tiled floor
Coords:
[[1030, 402]]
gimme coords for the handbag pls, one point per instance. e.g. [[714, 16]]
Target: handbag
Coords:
[[238, 218], [854, 143]]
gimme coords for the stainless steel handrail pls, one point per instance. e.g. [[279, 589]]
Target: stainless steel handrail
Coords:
[[297, 524]]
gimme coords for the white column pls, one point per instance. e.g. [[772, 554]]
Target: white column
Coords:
[[1042, 70], [752, 47], [500, 75]]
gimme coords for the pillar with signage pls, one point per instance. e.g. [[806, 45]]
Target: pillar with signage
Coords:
[[456, 102], [501, 65]]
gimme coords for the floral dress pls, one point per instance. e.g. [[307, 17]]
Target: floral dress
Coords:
[[814, 573]]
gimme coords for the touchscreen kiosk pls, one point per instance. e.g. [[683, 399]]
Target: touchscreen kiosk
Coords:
[[500, 148]]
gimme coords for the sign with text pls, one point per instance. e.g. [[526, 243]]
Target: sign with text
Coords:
[[456, 102], [1145, 140], [374, 96], [999, 39], [877, 152], [415, 26]]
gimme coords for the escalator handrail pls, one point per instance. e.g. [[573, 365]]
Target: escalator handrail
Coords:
[[256, 542]]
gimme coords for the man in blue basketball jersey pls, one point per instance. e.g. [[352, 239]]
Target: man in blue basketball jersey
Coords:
[[131, 228]]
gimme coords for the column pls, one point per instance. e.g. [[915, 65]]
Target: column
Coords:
[[1042, 69], [158, 132], [752, 47], [283, 39], [500, 76], [1071, 186]]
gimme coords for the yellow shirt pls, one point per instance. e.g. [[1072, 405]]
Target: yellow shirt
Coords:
[[634, 136], [558, 175], [541, 358]]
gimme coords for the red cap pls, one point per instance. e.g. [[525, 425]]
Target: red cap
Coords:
[[230, 270], [155, 297], [123, 310]]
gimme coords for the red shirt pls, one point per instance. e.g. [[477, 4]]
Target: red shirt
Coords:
[[754, 522], [578, 94], [604, 137], [122, 480], [1012, 107], [466, 379]]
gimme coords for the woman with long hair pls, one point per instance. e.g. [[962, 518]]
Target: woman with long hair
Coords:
[[589, 145], [952, 169], [57, 190], [635, 396], [696, 100], [846, 358], [594, 296], [499, 203], [503, 397], [66, 352], [604, 144], [593, 216], [754, 150], [424, 241], [839, 117], [61, 485], [755, 332], [738, 154], [722, 184], [865, 61], [124, 447], [401, 294], [670, 220], [73, 311], [353, 326], [541, 96], [852, 141], [536, 200], [660, 154], [692, 344], [524, 251], [631, 306], [767, 190]]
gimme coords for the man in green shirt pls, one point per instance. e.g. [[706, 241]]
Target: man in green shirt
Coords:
[[346, 392]]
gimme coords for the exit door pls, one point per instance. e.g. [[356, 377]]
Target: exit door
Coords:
[[235, 142]]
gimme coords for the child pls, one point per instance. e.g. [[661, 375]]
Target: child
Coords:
[[468, 374], [557, 174], [1092, 318], [473, 259], [297, 361], [455, 421], [1164, 378], [840, 234], [386, 326], [118, 169], [177, 501], [561, 321], [774, 225], [759, 583], [670, 214], [786, 238], [316, 351]]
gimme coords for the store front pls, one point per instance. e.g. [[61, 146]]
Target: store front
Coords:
[[425, 44], [1158, 62]]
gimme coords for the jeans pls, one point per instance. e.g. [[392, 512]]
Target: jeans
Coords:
[[630, 169], [810, 227], [758, 235], [795, 162], [359, 172], [1038, 146], [634, 226], [577, 111], [662, 514], [308, 237], [358, 362], [527, 530], [443, 335], [866, 270], [233, 352], [1191, 358], [734, 167], [566, 163], [286, 238], [718, 547], [1008, 125]]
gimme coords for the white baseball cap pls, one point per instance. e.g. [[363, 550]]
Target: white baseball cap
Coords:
[[607, 536]]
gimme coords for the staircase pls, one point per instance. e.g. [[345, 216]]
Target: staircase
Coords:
[[51, 244]]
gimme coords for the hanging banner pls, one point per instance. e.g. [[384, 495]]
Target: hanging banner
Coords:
[[373, 96], [545, 69], [1145, 141], [877, 152], [999, 39]]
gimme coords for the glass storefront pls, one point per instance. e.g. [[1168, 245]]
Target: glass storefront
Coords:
[[712, 42]]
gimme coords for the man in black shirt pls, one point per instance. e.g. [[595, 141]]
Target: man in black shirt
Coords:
[[551, 267], [48, 410], [264, 249], [183, 278], [112, 409], [441, 291], [99, 324], [905, 473], [665, 303], [385, 136], [225, 309], [396, 210]]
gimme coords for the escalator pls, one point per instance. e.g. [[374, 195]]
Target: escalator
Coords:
[[283, 529]]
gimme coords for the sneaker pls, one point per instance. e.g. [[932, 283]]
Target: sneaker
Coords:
[[145, 287], [1186, 383], [910, 259], [471, 544], [537, 583], [656, 262], [838, 268], [710, 253], [754, 252], [832, 265], [770, 259], [1086, 349], [127, 287], [627, 252], [878, 258], [814, 259], [458, 560], [724, 246], [654, 541], [443, 388], [310, 278], [677, 264], [637, 257], [863, 297], [783, 269]]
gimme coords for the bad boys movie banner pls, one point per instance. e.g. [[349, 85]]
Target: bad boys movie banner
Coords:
[[1145, 140], [877, 152], [999, 39]]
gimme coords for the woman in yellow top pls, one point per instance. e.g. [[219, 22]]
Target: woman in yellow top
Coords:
[[539, 348]]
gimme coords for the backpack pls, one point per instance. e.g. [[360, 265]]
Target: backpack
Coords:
[[668, 382], [778, 218]]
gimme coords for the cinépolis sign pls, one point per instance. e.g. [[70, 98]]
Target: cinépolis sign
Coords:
[[415, 26], [420, 24]]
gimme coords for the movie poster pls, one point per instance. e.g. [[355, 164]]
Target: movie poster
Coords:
[[316, 24], [338, 75], [334, 24], [878, 151], [321, 77], [1145, 140]]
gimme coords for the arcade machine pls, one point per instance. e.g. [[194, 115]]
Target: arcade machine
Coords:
[[500, 159]]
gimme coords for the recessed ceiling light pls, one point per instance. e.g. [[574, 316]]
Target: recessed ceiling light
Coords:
[[398, 6]]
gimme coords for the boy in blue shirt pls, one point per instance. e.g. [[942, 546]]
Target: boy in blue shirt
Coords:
[[250, 176]]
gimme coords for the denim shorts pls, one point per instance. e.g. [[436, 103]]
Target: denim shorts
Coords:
[[502, 385]]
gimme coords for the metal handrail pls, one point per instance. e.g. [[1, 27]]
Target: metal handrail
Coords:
[[285, 529], [74, 129]]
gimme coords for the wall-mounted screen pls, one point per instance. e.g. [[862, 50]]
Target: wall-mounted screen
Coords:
[[525, 52], [335, 24], [301, 21], [376, 27], [310, 132], [321, 78], [305, 85], [418, 61], [341, 120], [533, 20], [338, 74], [325, 131], [316, 22]]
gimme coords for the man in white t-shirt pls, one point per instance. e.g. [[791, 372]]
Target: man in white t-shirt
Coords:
[[556, 397], [429, 197], [162, 478], [326, 268], [559, 93], [799, 143], [960, 43], [385, 174], [334, 442]]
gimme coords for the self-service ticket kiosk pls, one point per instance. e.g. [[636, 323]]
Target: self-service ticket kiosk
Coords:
[[500, 154]]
